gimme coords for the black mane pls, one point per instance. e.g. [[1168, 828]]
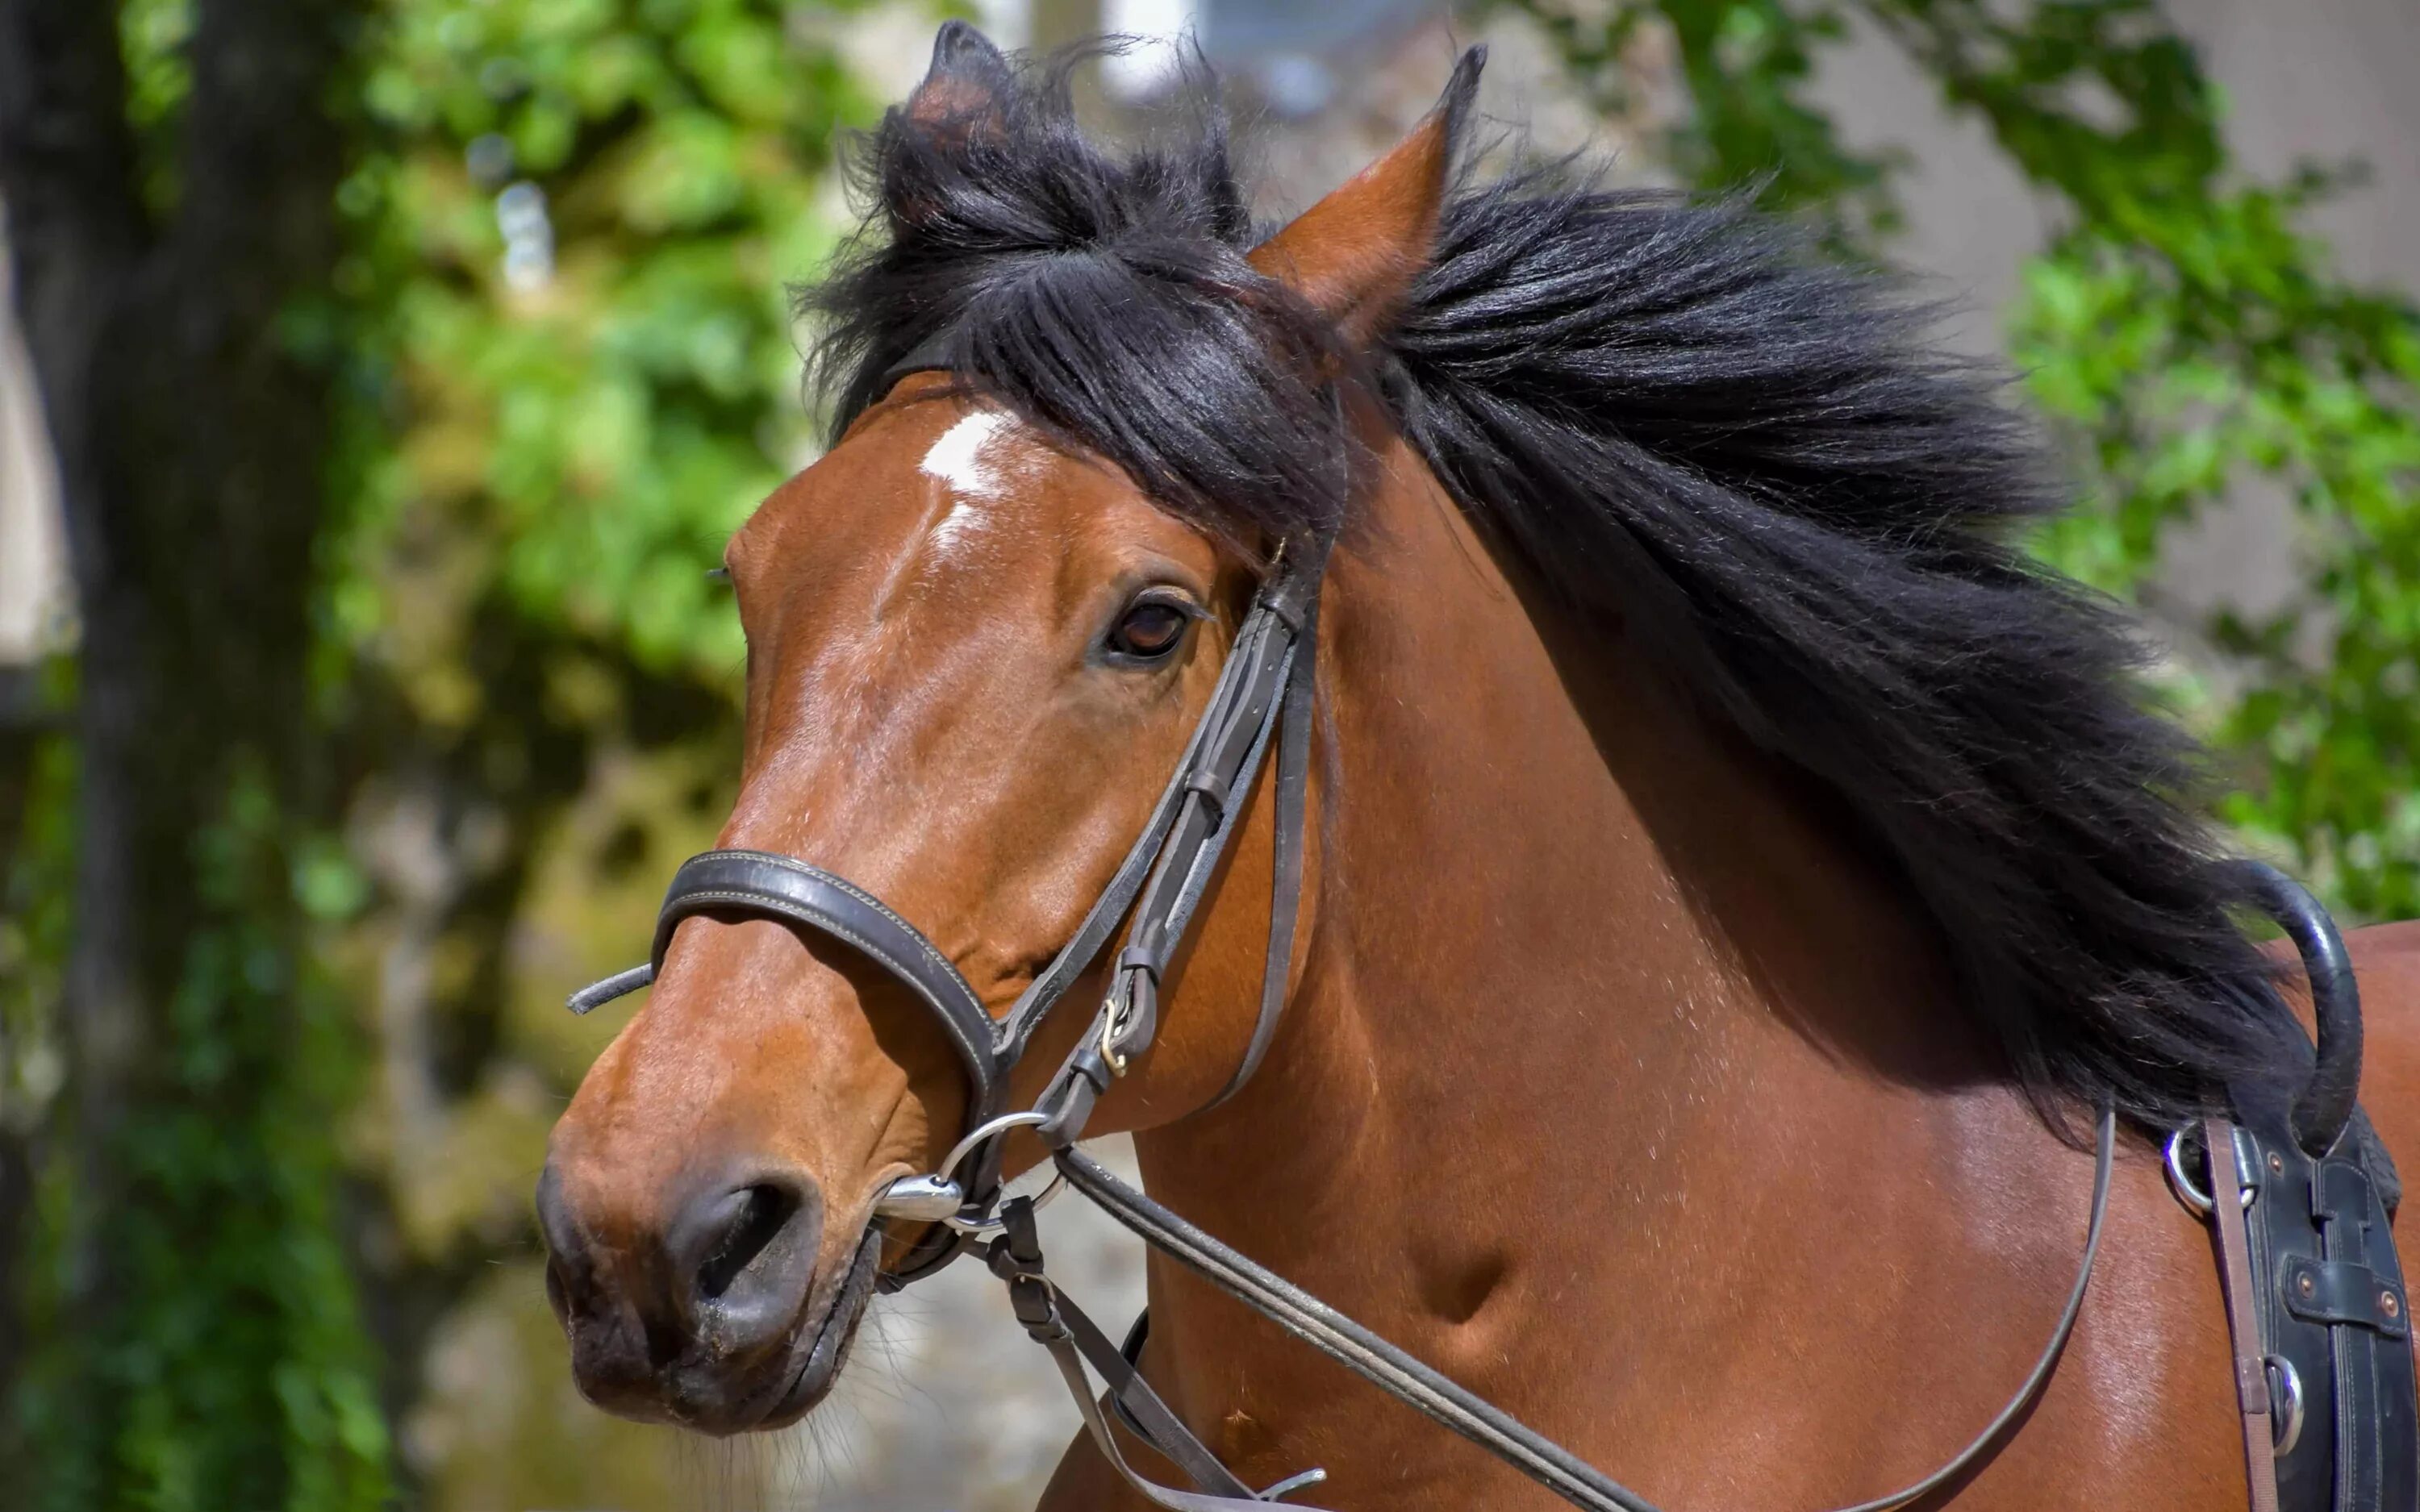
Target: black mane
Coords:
[[1675, 408]]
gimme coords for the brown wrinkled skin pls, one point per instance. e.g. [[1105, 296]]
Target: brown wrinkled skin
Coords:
[[1616, 1081]]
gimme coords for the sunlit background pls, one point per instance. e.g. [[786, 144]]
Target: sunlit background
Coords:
[[537, 364]]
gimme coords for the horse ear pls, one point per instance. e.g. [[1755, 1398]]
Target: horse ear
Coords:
[[963, 88], [1355, 254]]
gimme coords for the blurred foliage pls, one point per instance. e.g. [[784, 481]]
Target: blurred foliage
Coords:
[[576, 231], [235, 1372], [560, 347], [191, 1332], [571, 232], [2184, 331]]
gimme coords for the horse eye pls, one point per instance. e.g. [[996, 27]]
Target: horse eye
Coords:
[[1150, 630]]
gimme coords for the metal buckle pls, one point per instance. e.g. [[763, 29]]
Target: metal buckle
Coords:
[[1113, 1022]]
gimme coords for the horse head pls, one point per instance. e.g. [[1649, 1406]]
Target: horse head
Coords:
[[976, 649]]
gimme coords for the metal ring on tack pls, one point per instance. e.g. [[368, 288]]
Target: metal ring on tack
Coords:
[[2195, 1200], [2285, 1397], [988, 1130], [992, 1129]]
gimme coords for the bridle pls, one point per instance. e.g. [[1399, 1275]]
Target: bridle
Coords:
[[1263, 698], [1263, 693]]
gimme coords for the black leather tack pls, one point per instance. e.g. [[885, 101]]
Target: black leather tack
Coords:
[[2324, 1267], [1213, 789], [758, 884], [2328, 1098], [2344, 1291]]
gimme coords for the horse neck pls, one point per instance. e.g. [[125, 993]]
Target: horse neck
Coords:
[[1579, 966]]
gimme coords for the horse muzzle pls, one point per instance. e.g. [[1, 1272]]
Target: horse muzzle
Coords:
[[723, 1315]]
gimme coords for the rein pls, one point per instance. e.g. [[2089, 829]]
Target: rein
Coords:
[[1264, 696], [1405, 1378]]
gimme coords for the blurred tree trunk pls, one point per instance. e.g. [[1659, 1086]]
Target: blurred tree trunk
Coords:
[[170, 332]]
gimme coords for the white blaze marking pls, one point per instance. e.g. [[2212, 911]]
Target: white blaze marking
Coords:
[[957, 459]]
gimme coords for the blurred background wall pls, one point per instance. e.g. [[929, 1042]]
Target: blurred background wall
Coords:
[[532, 317]]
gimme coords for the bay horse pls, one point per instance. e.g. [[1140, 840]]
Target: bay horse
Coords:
[[1733, 875]]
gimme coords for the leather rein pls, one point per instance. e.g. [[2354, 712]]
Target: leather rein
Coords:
[[1263, 698]]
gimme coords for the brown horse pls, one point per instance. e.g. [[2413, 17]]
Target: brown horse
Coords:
[[1732, 872]]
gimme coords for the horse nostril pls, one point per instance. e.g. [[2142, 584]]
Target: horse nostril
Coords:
[[762, 1213], [743, 1257]]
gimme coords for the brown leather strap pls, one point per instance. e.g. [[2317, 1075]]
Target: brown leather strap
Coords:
[[1444, 1401], [2243, 1330]]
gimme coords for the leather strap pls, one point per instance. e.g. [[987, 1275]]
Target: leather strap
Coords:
[[781, 887], [931, 355], [1270, 667], [597, 995], [1071, 1337], [2242, 1326], [1292, 777], [2327, 1100], [1443, 1401], [2341, 1201], [1133, 1401], [1108, 912]]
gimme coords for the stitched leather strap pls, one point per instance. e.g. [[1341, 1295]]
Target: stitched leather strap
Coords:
[[2242, 1327], [761, 883]]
